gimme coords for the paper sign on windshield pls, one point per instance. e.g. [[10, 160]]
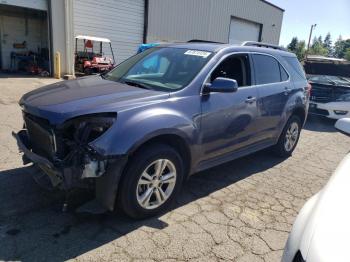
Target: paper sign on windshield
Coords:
[[198, 53]]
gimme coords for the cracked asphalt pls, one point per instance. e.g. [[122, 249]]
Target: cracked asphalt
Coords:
[[240, 211]]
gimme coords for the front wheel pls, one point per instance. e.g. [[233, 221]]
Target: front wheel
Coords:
[[151, 181], [289, 138]]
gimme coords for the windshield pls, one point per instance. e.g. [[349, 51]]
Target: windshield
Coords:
[[163, 69]]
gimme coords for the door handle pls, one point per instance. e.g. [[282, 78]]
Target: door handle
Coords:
[[250, 100], [287, 90]]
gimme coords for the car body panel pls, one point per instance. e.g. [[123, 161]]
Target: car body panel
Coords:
[[64, 100], [321, 230]]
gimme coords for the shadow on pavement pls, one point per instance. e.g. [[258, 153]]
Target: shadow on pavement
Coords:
[[320, 124], [32, 227]]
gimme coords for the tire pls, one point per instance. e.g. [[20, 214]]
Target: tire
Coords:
[[135, 196], [281, 149]]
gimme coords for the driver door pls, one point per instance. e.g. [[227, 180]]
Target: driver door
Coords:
[[228, 121]]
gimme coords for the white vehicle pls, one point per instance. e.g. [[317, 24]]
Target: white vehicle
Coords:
[[322, 229], [330, 96]]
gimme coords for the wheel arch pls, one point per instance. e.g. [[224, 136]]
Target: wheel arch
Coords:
[[176, 141], [299, 112]]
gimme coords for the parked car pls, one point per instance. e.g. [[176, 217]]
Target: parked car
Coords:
[[330, 96], [136, 133], [321, 231]]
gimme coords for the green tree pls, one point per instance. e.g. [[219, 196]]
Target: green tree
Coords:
[[318, 49], [300, 50], [327, 43], [293, 44], [347, 54], [338, 47]]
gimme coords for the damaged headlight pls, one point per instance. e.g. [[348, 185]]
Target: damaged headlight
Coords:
[[88, 128]]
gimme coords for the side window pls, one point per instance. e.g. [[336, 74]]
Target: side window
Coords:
[[234, 67], [295, 65], [267, 69], [284, 75]]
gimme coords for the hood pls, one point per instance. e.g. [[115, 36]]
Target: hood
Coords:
[[328, 228], [61, 101]]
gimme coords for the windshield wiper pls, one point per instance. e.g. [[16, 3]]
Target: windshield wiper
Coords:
[[137, 84]]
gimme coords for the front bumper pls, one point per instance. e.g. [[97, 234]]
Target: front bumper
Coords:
[[333, 110], [56, 175], [67, 177]]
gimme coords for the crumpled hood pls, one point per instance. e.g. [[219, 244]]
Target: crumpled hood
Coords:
[[327, 235], [61, 101]]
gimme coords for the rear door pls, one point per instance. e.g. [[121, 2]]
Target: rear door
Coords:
[[274, 88]]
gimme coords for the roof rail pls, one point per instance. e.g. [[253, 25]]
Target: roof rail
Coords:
[[203, 41], [260, 44]]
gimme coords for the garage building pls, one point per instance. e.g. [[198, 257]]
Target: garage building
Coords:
[[35, 30]]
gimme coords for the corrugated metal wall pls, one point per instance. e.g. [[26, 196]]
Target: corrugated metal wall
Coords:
[[119, 20], [182, 20]]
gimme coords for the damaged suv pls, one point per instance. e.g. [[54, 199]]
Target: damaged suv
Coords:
[[136, 133]]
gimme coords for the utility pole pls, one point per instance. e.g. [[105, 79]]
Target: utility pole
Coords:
[[308, 45]]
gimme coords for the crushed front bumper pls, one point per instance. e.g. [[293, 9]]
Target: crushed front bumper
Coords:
[[106, 185], [55, 175]]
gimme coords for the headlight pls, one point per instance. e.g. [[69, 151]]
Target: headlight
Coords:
[[86, 129], [344, 98]]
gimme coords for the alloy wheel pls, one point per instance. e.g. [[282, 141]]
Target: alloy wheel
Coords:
[[156, 184], [291, 136]]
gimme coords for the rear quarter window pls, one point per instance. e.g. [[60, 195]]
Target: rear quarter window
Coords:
[[295, 66]]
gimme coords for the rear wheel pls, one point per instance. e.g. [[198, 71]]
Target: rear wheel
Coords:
[[151, 181], [289, 137]]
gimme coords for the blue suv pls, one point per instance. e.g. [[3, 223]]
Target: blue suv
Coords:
[[136, 133]]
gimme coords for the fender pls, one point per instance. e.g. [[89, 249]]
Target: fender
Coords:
[[141, 125]]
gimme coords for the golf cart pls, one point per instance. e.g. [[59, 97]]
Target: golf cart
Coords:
[[92, 58]]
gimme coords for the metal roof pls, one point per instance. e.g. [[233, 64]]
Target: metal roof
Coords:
[[93, 38]]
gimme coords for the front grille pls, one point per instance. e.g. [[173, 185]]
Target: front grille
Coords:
[[326, 94], [41, 136], [298, 257]]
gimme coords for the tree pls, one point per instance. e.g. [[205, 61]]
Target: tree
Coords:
[[300, 50], [293, 44], [347, 54], [340, 47], [297, 47], [318, 49], [327, 43]]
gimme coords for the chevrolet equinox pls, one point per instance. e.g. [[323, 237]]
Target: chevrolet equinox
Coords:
[[133, 135]]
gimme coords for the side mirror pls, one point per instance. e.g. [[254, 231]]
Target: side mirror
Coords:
[[221, 85], [343, 125]]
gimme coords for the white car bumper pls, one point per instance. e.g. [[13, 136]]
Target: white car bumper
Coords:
[[333, 110]]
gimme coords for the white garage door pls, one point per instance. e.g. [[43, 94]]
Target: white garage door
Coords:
[[243, 30], [119, 20]]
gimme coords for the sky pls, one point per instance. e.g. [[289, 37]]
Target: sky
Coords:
[[330, 16]]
